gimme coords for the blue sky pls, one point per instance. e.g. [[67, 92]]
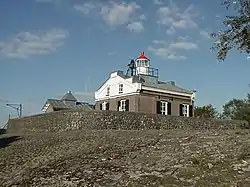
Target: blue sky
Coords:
[[50, 46]]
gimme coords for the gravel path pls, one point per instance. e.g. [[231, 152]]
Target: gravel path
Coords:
[[126, 158]]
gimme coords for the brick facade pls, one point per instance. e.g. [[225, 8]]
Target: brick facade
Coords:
[[146, 102]]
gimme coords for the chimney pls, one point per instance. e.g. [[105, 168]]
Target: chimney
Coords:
[[172, 83]]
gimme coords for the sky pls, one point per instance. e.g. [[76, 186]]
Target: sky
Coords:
[[48, 47]]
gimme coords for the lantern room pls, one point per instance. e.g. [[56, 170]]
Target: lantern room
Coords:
[[142, 64]]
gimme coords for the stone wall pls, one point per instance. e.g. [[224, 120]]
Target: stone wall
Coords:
[[101, 120]]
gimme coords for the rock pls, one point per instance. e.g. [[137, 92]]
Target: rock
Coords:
[[210, 166]]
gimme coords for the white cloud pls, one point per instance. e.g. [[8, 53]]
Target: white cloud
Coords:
[[171, 51], [85, 8], [136, 26], [142, 17], [183, 38], [174, 18], [205, 34], [183, 45], [51, 1], [118, 13], [165, 53], [160, 42], [157, 2], [111, 53], [26, 44], [115, 13], [170, 31]]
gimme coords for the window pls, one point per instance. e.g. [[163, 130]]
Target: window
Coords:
[[123, 105], [186, 110], [104, 106], [108, 91], [138, 63], [120, 88], [142, 63], [163, 107]]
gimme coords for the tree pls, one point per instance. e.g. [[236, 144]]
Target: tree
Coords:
[[237, 109], [231, 108], [207, 111], [237, 31]]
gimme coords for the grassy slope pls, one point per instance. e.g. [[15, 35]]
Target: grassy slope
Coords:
[[126, 158]]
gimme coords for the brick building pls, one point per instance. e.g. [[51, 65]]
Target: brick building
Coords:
[[140, 90]]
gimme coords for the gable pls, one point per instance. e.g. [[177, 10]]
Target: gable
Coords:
[[113, 83]]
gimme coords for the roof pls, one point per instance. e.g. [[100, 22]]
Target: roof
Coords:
[[167, 86], [68, 97], [68, 101], [142, 56], [153, 82], [60, 105]]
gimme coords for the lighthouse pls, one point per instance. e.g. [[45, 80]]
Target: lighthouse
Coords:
[[142, 64]]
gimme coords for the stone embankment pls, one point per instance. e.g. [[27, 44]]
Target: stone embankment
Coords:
[[101, 120]]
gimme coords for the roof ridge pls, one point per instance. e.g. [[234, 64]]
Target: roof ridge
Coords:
[[69, 97]]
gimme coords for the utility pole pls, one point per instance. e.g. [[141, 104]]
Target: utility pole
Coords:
[[18, 107]]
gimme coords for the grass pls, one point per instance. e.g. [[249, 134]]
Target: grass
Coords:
[[126, 158]]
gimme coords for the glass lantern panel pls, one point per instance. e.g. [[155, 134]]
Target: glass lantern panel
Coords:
[[142, 63], [138, 63]]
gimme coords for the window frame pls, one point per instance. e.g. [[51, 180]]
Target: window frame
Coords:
[[108, 91], [104, 105], [185, 110], [120, 89], [142, 63], [138, 63], [122, 105], [164, 107]]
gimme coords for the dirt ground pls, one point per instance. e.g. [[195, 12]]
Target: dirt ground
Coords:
[[126, 158]]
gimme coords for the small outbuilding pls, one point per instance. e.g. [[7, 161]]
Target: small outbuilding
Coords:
[[68, 101]]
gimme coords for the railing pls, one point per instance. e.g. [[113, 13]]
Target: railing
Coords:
[[152, 72]]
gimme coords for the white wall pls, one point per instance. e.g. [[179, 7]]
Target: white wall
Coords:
[[129, 88], [113, 82]]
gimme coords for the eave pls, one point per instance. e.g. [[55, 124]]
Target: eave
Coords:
[[167, 91], [45, 107]]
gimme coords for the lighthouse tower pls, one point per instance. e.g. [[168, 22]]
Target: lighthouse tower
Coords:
[[142, 64]]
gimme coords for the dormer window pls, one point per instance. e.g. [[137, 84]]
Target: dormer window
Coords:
[[108, 91], [120, 88]]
